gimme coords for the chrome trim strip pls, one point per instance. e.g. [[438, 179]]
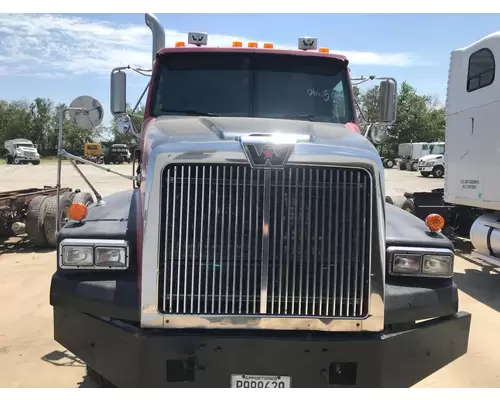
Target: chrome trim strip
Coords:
[[306, 154], [264, 272]]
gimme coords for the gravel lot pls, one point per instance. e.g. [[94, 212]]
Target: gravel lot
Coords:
[[29, 357]]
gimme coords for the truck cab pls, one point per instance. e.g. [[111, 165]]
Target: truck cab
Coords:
[[257, 250], [433, 163]]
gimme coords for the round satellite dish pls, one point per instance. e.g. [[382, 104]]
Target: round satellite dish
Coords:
[[92, 115]]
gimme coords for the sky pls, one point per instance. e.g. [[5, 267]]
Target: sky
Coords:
[[63, 56]]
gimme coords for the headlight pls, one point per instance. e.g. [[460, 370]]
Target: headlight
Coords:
[[93, 254], [430, 163], [423, 262], [77, 256], [111, 257]]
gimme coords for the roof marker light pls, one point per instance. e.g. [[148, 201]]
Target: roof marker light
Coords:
[[268, 45], [197, 38], [308, 43], [324, 50], [180, 44], [253, 44], [237, 43]]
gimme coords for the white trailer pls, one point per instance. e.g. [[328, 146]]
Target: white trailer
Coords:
[[21, 151], [410, 153], [470, 200]]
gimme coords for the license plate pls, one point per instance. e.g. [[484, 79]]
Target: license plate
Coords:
[[259, 381]]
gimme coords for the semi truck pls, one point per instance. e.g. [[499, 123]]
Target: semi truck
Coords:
[[255, 248], [470, 199]]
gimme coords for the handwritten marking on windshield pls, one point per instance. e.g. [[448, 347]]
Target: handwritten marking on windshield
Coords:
[[324, 94]]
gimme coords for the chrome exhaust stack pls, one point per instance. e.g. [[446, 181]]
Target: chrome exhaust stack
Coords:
[[158, 33]]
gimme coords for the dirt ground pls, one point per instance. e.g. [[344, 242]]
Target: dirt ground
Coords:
[[29, 357]]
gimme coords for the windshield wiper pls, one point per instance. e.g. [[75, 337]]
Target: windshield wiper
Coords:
[[188, 111], [307, 117]]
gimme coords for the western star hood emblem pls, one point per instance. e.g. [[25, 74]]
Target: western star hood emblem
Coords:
[[267, 152]]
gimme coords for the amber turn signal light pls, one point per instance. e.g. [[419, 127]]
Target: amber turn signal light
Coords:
[[434, 222], [77, 212]]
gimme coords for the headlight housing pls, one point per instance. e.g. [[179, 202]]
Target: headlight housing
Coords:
[[421, 262], [93, 254]]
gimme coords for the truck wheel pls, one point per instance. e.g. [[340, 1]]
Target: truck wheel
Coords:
[[408, 206], [425, 174], [37, 162], [84, 198], [49, 223], [16, 161], [35, 220], [438, 171], [402, 166], [396, 200], [389, 163], [98, 379], [414, 166], [9, 159]]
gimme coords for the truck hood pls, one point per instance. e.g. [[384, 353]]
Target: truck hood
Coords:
[[175, 129], [431, 157]]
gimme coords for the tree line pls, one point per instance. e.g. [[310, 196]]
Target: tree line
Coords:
[[419, 118]]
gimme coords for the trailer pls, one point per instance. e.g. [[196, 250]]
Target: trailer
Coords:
[[33, 212], [470, 199]]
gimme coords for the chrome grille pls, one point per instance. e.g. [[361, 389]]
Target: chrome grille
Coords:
[[239, 241]]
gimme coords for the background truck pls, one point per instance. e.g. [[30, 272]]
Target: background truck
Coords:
[[470, 200], [21, 151], [93, 152], [117, 154], [433, 163], [258, 249], [409, 154]]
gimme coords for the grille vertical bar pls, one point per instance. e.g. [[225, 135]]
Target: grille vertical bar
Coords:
[[240, 241]]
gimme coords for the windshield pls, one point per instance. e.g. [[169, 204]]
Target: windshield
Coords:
[[437, 149], [25, 145], [253, 85]]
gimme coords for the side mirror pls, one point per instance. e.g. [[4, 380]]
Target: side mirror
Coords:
[[118, 93], [92, 115], [388, 102], [123, 124], [377, 133]]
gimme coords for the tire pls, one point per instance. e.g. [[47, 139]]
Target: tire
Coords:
[[84, 198], [396, 200], [409, 206], [99, 380], [9, 159], [425, 174], [438, 171], [35, 220], [402, 166], [16, 161], [389, 163], [49, 223], [414, 166], [37, 162]]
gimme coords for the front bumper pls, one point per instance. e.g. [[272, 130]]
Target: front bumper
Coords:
[[425, 168], [129, 356]]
